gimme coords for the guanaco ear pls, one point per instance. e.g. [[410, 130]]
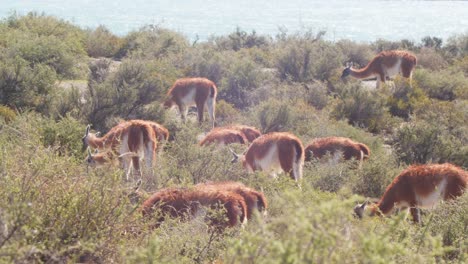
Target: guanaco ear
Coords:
[[359, 210], [364, 204], [88, 127], [236, 156]]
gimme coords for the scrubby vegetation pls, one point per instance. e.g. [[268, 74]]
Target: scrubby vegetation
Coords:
[[53, 210]]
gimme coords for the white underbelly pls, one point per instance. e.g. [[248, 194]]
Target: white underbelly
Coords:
[[431, 200], [189, 98], [394, 70], [270, 162]]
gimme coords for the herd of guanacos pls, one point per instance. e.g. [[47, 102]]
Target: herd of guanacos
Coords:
[[418, 186]]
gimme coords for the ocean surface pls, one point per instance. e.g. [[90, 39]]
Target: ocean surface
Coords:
[[359, 20]]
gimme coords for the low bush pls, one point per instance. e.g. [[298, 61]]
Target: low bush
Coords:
[[405, 98], [443, 85], [317, 95], [226, 113], [241, 39], [376, 173], [304, 58], [447, 221], [53, 212], [241, 77], [423, 142], [362, 107], [275, 116], [206, 62], [25, 87], [359, 54], [457, 46], [152, 41], [430, 59], [100, 42], [7, 114], [133, 92]]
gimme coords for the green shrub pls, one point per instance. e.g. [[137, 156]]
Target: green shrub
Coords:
[[430, 59], [443, 85], [44, 25], [382, 44], [302, 234], [152, 42], [462, 65], [241, 77], [358, 53], [64, 136], [457, 46], [41, 39], [131, 93], [69, 102], [376, 174], [275, 116], [52, 210], [206, 62], [449, 221], [449, 119], [225, 112], [305, 59], [405, 98], [7, 114], [102, 43], [99, 70], [240, 39], [422, 142], [431, 42], [317, 95], [25, 87], [329, 176], [362, 107]]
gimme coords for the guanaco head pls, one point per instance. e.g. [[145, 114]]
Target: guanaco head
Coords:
[[370, 206], [239, 158], [347, 70], [236, 157], [87, 135], [84, 139], [168, 103], [90, 160], [359, 209], [98, 159]]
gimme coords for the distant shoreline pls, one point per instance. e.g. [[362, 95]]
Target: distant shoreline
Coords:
[[200, 20]]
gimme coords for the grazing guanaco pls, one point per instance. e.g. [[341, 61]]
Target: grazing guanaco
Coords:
[[251, 133], [223, 137], [187, 92], [274, 152], [255, 201], [189, 202], [419, 186], [385, 64], [346, 147], [134, 136]]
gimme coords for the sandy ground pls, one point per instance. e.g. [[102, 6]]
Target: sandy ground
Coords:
[[68, 84]]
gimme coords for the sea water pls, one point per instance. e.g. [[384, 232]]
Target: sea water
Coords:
[[359, 20]]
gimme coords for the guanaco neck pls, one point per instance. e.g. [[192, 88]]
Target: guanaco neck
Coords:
[[362, 73], [387, 202], [96, 142]]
